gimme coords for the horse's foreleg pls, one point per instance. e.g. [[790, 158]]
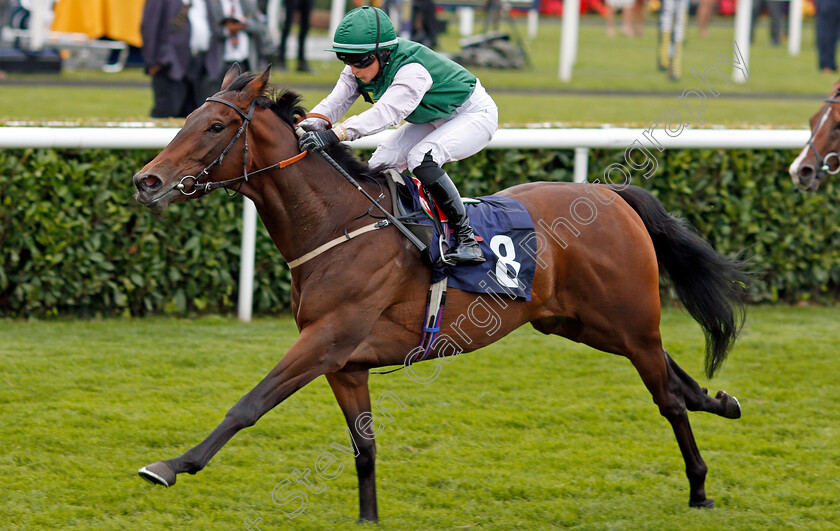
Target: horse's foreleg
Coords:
[[304, 362], [698, 399], [351, 391], [667, 394]]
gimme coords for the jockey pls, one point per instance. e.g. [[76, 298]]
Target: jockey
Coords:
[[448, 113]]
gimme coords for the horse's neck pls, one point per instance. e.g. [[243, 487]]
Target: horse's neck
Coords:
[[302, 205]]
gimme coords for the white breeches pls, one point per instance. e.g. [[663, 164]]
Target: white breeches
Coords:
[[466, 132]]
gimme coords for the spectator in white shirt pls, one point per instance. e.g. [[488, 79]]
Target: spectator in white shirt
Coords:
[[243, 31]]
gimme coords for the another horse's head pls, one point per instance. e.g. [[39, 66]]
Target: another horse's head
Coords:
[[211, 147], [820, 156]]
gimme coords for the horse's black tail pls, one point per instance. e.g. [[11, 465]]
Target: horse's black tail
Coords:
[[711, 287]]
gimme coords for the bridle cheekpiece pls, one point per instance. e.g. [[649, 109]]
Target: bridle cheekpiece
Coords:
[[210, 186]]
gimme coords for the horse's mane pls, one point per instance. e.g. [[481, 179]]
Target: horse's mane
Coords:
[[285, 103]]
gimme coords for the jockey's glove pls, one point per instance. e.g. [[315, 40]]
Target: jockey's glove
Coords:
[[317, 140]]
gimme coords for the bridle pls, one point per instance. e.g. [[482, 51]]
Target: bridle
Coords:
[[210, 186], [825, 169]]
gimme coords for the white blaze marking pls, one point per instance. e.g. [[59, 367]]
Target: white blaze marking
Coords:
[[794, 167]]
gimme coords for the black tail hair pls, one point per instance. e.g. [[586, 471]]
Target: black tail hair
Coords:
[[711, 287]]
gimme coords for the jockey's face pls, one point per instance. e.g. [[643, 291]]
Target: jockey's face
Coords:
[[366, 74]]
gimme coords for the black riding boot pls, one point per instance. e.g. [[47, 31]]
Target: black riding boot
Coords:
[[438, 183]]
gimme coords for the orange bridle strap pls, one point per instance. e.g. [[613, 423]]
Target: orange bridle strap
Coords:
[[291, 160]]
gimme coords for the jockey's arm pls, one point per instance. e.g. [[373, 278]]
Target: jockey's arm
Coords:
[[336, 104], [411, 82]]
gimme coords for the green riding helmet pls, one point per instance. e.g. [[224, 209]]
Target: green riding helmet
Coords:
[[362, 30]]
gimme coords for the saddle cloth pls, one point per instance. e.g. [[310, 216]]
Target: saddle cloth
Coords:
[[504, 230]]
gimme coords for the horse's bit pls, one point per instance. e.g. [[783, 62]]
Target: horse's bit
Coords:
[[210, 186], [825, 169]]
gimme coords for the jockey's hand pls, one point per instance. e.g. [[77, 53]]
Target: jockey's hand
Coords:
[[317, 140], [314, 124], [311, 127]]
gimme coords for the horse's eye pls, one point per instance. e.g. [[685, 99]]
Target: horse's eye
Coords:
[[216, 128]]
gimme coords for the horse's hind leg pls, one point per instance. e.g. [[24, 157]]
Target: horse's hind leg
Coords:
[[351, 391], [668, 393], [697, 398]]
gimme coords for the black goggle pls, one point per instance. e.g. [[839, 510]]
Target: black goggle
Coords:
[[358, 60]]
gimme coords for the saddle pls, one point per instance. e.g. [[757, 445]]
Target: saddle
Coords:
[[416, 209], [404, 208]]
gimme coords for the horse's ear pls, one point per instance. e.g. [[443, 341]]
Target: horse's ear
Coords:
[[257, 86], [232, 74]]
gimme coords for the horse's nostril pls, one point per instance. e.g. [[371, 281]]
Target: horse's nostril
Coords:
[[147, 182], [805, 171]]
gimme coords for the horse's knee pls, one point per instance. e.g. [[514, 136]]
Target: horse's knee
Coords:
[[241, 416]]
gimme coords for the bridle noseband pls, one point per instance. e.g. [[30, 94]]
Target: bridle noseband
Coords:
[[210, 186], [824, 169]]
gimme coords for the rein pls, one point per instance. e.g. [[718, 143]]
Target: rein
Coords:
[[825, 169], [210, 186]]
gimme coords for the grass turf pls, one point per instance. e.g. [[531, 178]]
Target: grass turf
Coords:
[[534, 432]]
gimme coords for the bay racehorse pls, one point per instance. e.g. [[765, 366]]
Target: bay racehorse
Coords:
[[819, 158], [360, 305]]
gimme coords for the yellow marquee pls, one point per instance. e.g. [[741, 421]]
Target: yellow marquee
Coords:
[[115, 19]]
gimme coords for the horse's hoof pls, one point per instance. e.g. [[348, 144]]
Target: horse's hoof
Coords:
[[158, 474], [731, 406], [708, 503]]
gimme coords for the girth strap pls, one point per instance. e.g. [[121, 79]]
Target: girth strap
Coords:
[[338, 241], [432, 320]]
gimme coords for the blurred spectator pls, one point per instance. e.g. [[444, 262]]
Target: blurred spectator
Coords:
[[303, 8], [672, 17], [5, 8], [705, 9], [776, 9], [828, 30], [425, 25], [243, 31], [182, 53], [632, 16]]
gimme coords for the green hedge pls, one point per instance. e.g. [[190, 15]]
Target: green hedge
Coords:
[[74, 242]]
